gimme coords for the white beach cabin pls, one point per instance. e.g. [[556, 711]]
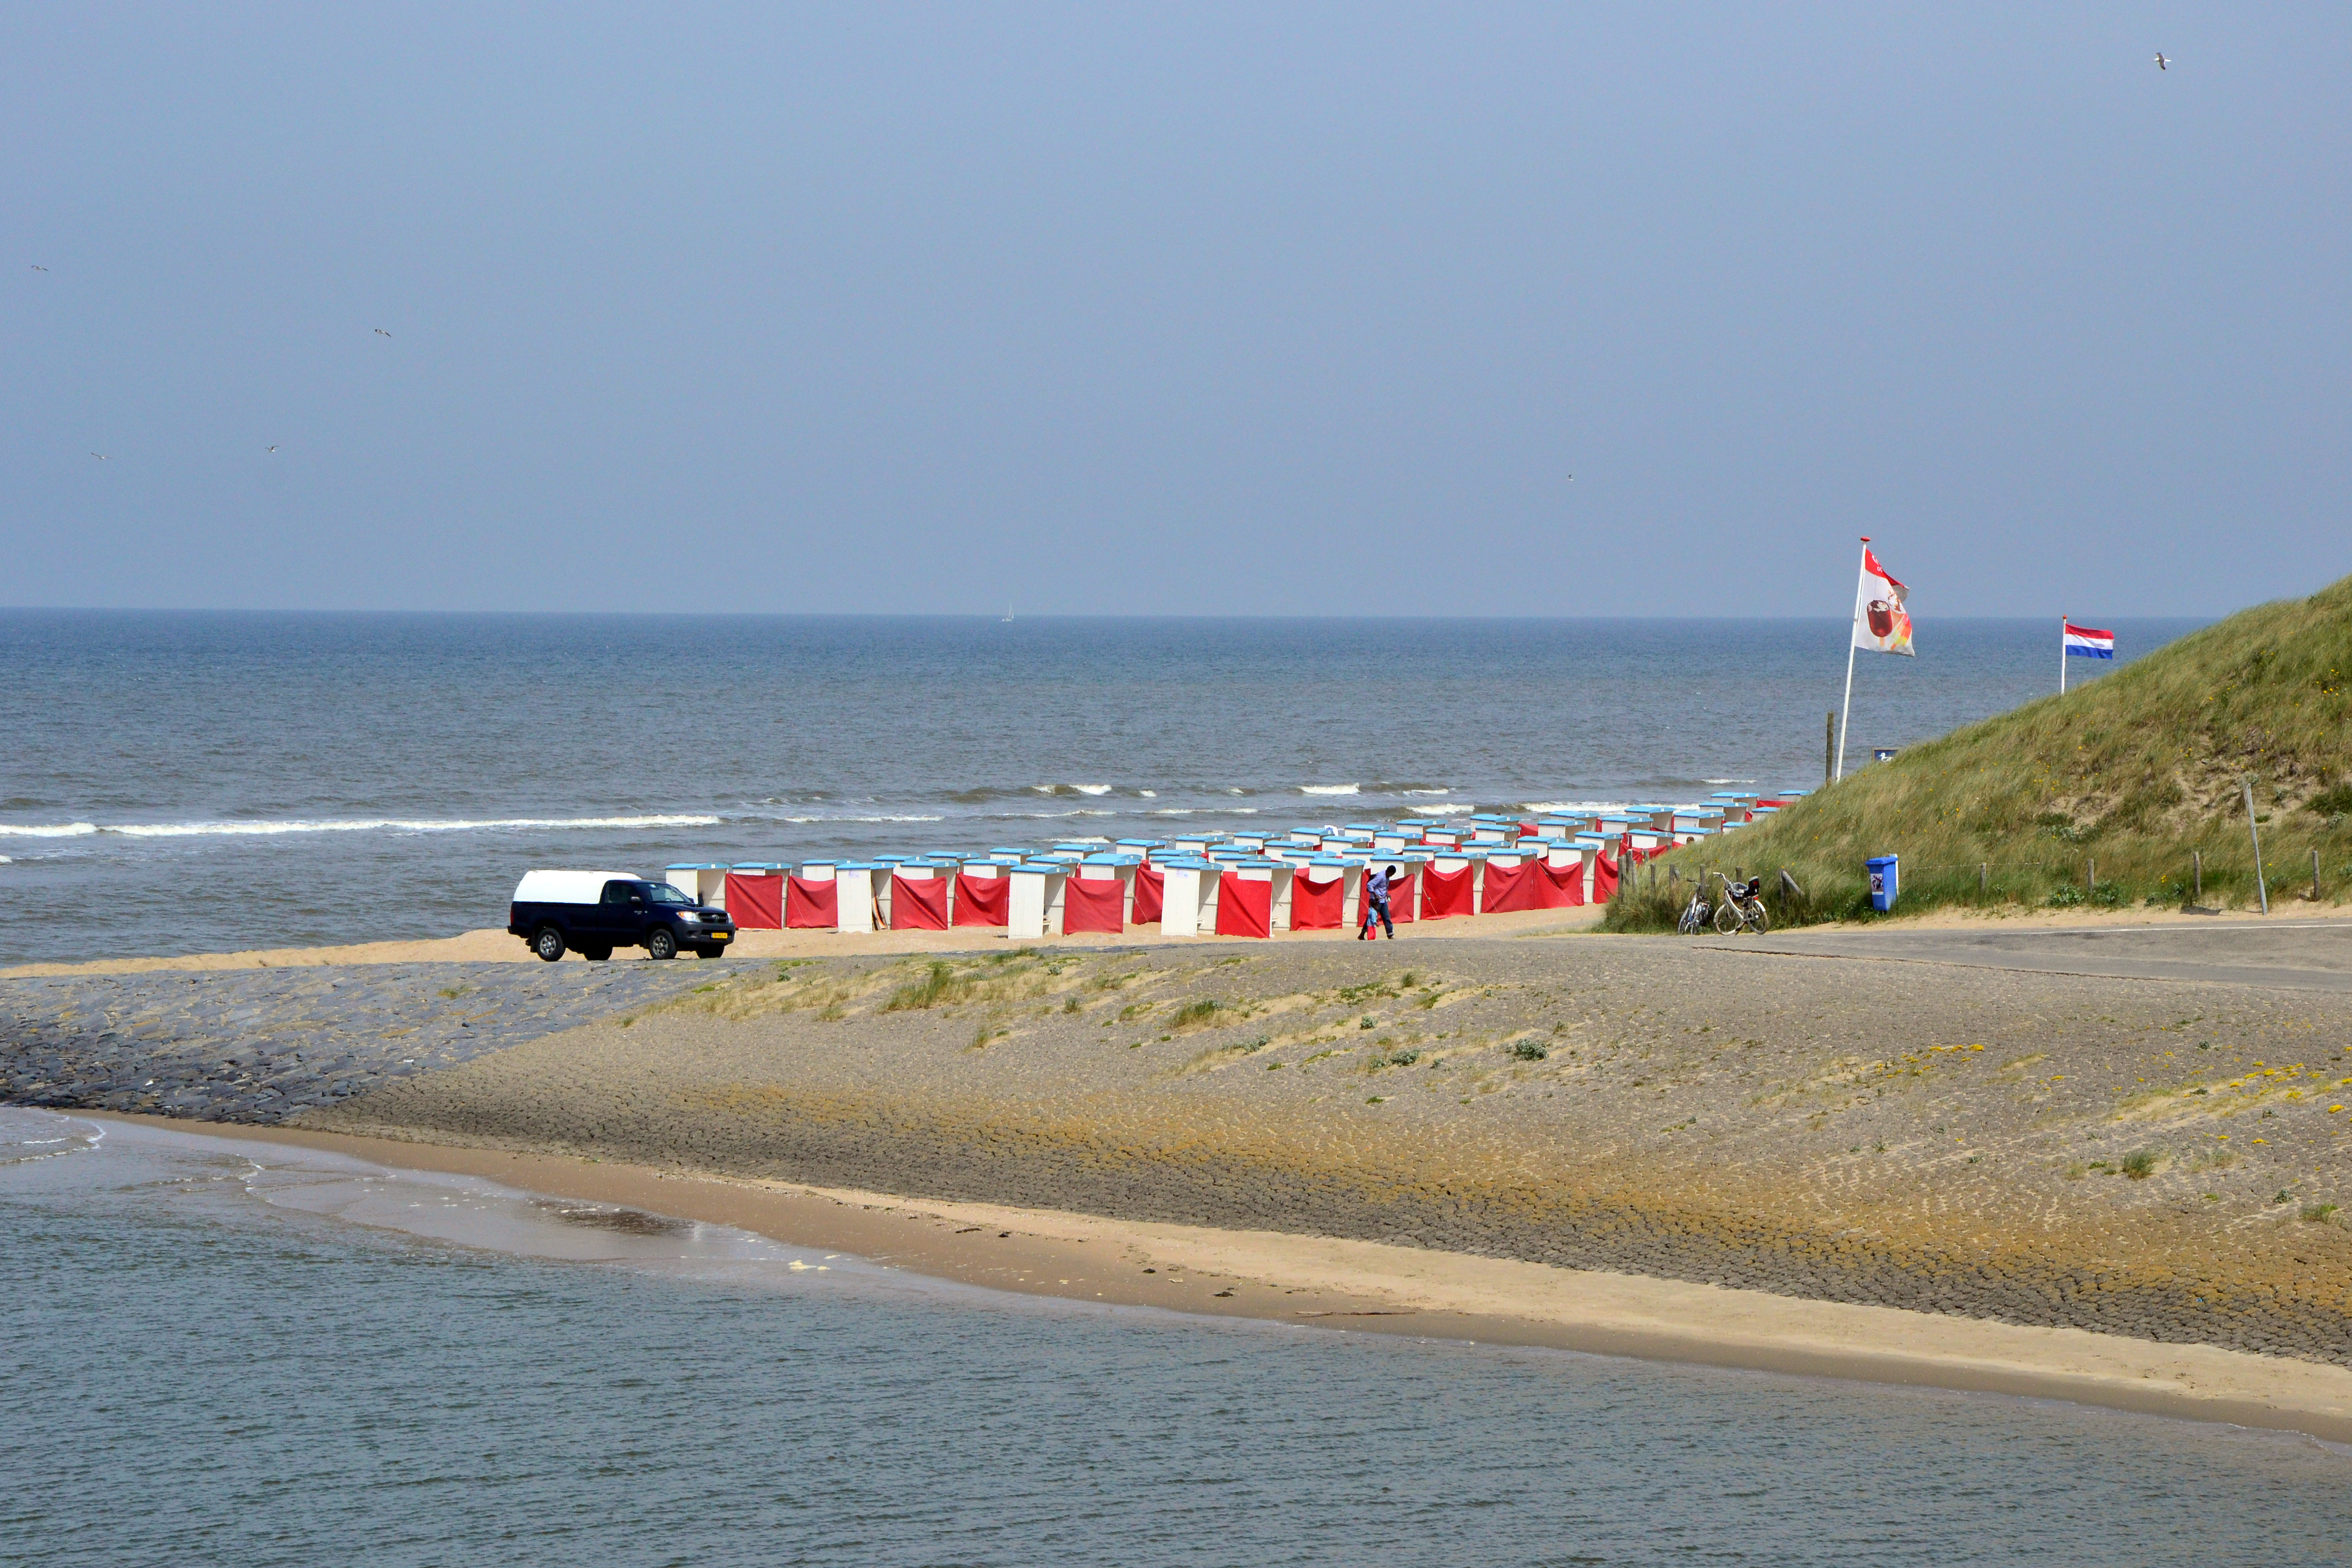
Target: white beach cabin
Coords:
[[1036, 908]]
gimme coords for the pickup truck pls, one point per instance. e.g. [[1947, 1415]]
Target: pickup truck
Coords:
[[592, 913]]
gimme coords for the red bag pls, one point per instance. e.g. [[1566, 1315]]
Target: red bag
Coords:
[[811, 906], [1244, 909], [1317, 906], [756, 903], [919, 904], [1091, 903], [1445, 894], [982, 900]]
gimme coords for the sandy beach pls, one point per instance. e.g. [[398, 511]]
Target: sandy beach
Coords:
[[2080, 1185]]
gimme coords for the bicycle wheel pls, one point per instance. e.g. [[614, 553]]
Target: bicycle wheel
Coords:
[[1728, 919], [1694, 915], [1757, 919]]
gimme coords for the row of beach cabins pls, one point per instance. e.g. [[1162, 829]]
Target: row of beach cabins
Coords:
[[1226, 884]]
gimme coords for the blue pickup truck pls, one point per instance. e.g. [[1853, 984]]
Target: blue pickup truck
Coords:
[[592, 913]]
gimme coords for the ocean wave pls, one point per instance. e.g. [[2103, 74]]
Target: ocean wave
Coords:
[[5, 861], [1051, 815], [1726, 780], [1070, 789], [1172, 811], [368, 824], [1568, 805], [1417, 789], [1448, 810], [1328, 789], [806, 819]]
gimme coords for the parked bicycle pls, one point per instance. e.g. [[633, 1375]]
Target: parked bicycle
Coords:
[[1742, 908], [1697, 912]]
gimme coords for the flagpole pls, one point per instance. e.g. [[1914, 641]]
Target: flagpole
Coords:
[[1846, 711], [2061, 656]]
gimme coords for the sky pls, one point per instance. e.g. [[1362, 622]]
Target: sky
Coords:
[[1105, 309]]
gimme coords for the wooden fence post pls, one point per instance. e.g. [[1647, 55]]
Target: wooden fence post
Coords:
[[2314, 876], [2262, 887], [2197, 868]]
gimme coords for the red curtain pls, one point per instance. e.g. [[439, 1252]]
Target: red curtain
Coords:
[[1151, 890], [1511, 888], [1244, 909], [756, 903], [1604, 879], [1317, 906], [1405, 897], [1561, 887], [811, 906], [984, 901], [1094, 904], [1445, 894], [919, 904]]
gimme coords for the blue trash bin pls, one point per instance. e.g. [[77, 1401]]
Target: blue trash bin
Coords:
[[1881, 882]]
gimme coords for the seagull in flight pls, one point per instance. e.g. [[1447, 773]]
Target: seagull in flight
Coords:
[[273, 448], [2161, 63], [36, 267], [382, 334], [99, 456]]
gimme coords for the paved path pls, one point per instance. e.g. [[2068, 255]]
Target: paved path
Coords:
[[2278, 953], [261, 1044]]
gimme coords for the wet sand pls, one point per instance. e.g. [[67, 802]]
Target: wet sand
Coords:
[[1371, 1287]]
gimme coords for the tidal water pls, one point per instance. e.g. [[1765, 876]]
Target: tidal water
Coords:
[[178, 782], [214, 1351]]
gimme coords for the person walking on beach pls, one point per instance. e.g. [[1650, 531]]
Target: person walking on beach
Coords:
[[1376, 902]]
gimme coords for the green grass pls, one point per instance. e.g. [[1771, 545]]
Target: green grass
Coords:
[[2134, 774]]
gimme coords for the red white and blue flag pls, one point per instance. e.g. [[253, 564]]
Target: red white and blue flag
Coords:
[[2087, 642]]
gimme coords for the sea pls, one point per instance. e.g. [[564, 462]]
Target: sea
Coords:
[[216, 1351], [198, 782]]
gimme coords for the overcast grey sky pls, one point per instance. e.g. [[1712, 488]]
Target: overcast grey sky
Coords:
[[1175, 309]]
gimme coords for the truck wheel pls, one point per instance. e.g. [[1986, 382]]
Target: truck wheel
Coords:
[[596, 954], [548, 943], [660, 943]]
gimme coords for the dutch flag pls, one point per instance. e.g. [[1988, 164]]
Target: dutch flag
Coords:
[[2083, 642]]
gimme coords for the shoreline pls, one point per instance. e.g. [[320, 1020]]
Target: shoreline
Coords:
[[1376, 1287]]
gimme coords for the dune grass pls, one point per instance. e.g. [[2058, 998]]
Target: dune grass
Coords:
[[2100, 798]]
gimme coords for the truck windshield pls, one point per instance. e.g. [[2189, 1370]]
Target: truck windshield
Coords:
[[666, 894]]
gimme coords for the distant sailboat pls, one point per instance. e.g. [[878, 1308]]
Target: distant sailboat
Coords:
[[1008, 616]]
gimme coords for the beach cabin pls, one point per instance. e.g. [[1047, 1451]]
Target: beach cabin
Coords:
[[1188, 896], [1568, 866], [1254, 897], [810, 898], [919, 895], [1037, 900], [1195, 843], [1099, 895], [1323, 894], [982, 894], [1511, 881], [703, 884], [755, 895], [1141, 848], [1490, 827], [861, 896]]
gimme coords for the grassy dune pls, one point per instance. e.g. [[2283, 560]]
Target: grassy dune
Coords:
[[2123, 781]]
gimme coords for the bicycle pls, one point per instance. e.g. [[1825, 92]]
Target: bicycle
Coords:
[[1742, 908], [1697, 913]]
